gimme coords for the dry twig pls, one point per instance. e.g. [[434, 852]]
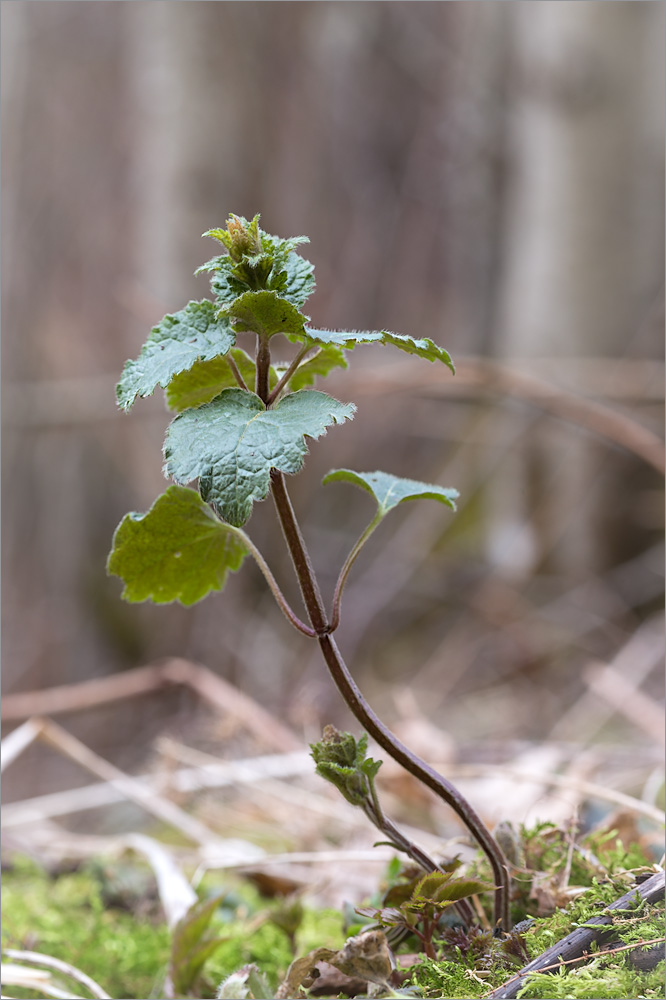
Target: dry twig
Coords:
[[36, 958], [54, 735], [576, 944], [143, 680]]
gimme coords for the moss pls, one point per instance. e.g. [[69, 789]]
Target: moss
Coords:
[[65, 917], [603, 977], [266, 946], [449, 979], [320, 929], [598, 980], [644, 923], [258, 940], [70, 917]]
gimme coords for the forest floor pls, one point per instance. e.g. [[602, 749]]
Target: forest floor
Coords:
[[251, 866]]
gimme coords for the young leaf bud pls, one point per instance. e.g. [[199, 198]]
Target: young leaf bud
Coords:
[[244, 238]]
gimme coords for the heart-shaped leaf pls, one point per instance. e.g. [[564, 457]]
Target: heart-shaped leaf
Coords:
[[232, 443], [178, 551], [389, 491]]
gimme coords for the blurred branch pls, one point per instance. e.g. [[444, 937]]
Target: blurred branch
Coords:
[[184, 780], [633, 662], [612, 687], [130, 788], [506, 379], [36, 958], [18, 741], [176, 894], [46, 402], [588, 788], [143, 680], [593, 416]]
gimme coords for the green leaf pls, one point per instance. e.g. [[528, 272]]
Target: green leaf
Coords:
[[233, 442], [195, 333], [206, 379], [265, 313], [459, 888], [387, 916], [276, 268], [350, 338], [178, 551], [190, 945], [341, 759], [298, 282], [389, 491], [292, 278], [370, 767], [320, 364], [441, 889]]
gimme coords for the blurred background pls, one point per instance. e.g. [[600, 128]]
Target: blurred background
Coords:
[[489, 175]]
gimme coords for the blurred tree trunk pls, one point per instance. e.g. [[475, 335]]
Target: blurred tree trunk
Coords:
[[582, 161]]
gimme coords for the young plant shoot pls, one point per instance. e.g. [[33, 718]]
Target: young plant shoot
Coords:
[[240, 425]]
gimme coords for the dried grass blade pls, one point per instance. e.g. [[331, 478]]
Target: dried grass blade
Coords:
[[56, 963]]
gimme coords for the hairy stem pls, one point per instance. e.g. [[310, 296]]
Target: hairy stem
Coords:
[[412, 763], [289, 372], [344, 572], [299, 555], [375, 814], [365, 715], [235, 371], [263, 362]]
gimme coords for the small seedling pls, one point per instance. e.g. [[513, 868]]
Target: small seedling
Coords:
[[240, 425], [418, 905]]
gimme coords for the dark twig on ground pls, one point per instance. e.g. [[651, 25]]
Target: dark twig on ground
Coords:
[[577, 943]]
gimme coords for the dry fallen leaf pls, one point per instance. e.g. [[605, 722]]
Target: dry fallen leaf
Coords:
[[366, 956]]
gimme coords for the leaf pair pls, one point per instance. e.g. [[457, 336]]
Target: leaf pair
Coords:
[[179, 550], [186, 352], [207, 379], [424, 898]]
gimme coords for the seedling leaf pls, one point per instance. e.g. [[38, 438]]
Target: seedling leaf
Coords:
[[247, 983], [196, 333], [190, 947], [349, 339], [177, 551], [389, 491], [233, 442], [443, 889]]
